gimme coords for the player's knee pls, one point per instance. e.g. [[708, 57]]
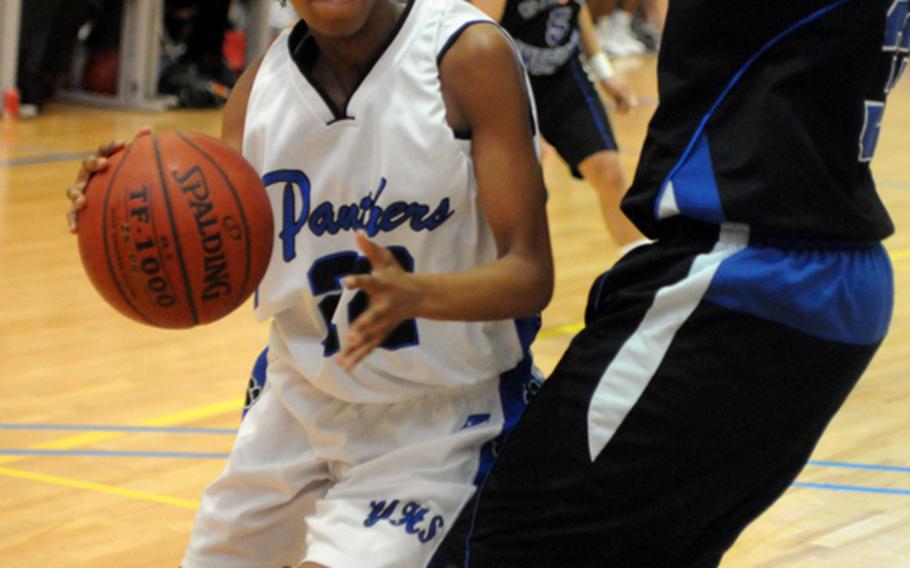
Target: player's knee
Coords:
[[603, 171]]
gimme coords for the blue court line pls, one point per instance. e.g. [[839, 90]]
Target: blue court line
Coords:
[[852, 488], [221, 456], [44, 159], [114, 454], [33, 148], [107, 428], [233, 431], [874, 467]]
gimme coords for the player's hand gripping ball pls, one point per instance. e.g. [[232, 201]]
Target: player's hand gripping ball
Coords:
[[176, 231]]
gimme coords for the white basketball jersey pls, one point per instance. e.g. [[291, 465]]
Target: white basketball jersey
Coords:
[[388, 164]]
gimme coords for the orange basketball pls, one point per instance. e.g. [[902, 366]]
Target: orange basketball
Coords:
[[177, 231]]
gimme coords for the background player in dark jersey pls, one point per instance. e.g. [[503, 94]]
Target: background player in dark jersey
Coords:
[[549, 34], [713, 359]]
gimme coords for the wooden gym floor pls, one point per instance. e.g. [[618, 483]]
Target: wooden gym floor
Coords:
[[110, 430]]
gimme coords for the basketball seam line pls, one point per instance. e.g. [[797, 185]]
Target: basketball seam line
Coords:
[[241, 296], [104, 238], [177, 246]]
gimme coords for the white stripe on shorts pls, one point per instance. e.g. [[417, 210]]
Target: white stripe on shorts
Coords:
[[630, 371]]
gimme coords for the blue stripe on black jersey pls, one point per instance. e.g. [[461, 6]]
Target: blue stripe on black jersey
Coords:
[[695, 187], [692, 179]]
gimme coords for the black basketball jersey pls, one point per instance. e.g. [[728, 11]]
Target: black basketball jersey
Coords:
[[545, 31], [769, 116]]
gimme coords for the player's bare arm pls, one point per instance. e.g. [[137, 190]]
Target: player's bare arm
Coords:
[[613, 86], [490, 101], [234, 115]]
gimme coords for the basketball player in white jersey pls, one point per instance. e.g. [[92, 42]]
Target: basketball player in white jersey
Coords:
[[410, 238]]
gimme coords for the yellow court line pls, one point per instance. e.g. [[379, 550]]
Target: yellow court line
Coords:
[[561, 330], [69, 442], [99, 488], [198, 413]]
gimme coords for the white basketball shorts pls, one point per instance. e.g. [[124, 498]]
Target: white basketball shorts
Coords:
[[315, 479]]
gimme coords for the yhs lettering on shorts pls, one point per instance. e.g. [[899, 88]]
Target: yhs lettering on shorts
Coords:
[[412, 517]]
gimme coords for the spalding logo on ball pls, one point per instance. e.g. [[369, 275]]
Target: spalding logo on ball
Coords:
[[177, 231]]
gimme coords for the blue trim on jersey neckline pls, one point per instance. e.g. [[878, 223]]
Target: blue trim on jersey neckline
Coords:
[[699, 142]]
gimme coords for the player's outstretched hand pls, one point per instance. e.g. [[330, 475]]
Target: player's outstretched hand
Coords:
[[621, 93], [90, 166], [393, 295]]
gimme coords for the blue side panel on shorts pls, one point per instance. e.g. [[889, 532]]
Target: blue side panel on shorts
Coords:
[[257, 380], [695, 187], [844, 295], [516, 386], [527, 329], [259, 367]]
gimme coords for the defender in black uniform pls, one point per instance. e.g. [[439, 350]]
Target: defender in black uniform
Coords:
[[549, 35], [713, 359]]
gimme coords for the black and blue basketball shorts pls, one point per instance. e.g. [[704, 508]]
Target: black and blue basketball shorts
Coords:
[[571, 114], [709, 367]]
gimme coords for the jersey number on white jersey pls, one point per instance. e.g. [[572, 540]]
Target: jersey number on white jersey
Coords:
[[325, 278]]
